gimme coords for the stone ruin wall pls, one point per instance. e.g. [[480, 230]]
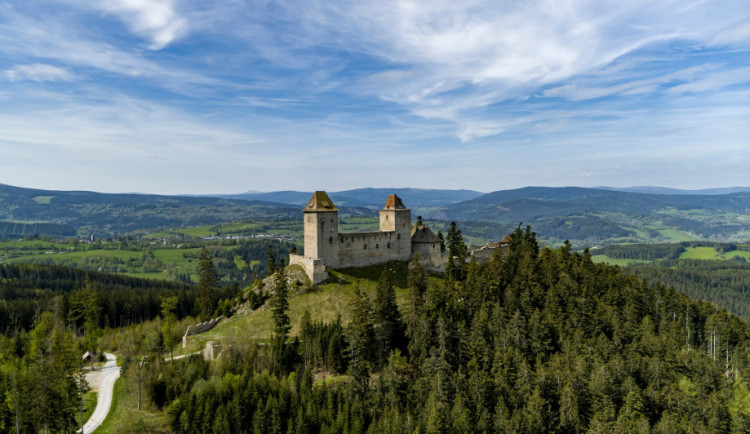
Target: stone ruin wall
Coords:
[[199, 328]]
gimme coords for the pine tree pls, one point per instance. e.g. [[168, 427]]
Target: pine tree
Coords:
[[208, 283], [280, 304], [271, 255], [389, 328], [168, 306], [457, 254], [361, 341]]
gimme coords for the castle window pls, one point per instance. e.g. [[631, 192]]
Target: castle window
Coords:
[[376, 246], [365, 246], [388, 245], [330, 240], [398, 236]]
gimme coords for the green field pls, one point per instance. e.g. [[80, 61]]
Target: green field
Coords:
[[707, 253], [717, 251], [616, 261]]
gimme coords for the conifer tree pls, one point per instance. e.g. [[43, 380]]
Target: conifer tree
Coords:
[[361, 340], [282, 324], [168, 306], [389, 328], [457, 254], [208, 283], [280, 304]]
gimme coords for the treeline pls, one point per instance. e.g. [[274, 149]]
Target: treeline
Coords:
[[536, 340], [252, 254], [651, 252], [724, 283], [27, 290], [648, 252], [21, 230]]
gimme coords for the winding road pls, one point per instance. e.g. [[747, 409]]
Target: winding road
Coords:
[[107, 376]]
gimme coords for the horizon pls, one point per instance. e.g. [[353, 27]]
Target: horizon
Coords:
[[250, 192], [171, 97]]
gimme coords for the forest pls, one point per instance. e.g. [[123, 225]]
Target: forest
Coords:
[[535, 340]]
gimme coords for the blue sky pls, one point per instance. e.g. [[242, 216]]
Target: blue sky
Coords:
[[168, 96]]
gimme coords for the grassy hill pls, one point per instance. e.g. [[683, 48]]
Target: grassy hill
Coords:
[[325, 303]]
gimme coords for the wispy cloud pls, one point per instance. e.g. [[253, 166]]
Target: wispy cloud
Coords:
[[257, 91], [156, 20], [444, 58], [38, 72]]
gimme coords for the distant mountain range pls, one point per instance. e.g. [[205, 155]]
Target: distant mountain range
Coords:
[[665, 190], [585, 216], [590, 216], [25, 212], [367, 197]]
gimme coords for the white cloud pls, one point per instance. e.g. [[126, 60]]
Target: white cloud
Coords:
[[156, 20], [472, 54], [38, 72]]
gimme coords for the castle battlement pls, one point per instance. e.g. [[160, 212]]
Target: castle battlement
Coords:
[[326, 248]]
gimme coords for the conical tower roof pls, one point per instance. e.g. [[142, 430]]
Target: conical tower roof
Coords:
[[320, 202]]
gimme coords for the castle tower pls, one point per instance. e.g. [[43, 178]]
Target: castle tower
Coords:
[[395, 217], [321, 228]]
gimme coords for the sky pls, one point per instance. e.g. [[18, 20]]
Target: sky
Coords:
[[228, 96]]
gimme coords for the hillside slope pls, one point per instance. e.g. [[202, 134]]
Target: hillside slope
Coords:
[[537, 340], [589, 216], [67, 212]]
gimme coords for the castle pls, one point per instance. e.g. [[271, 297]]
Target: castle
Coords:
[[397, 240]]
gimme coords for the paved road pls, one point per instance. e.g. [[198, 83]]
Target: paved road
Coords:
[[109, 373]]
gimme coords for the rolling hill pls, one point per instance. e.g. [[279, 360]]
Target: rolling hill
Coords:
[[589, 216], [585, 216], [25, 212], [369, 197]]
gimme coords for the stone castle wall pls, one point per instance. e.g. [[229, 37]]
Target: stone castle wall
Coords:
[[431, 257], [326, 247], [366, 248], [314, 268]]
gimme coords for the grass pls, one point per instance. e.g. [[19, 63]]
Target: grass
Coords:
[[710, 253], [674, 235], [198, 231], [89, 404], [700, 253], [621, 262], [124, 416], [324, 304]]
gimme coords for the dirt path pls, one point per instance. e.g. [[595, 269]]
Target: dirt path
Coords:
[[102, 381]]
